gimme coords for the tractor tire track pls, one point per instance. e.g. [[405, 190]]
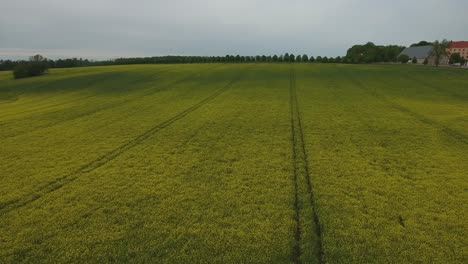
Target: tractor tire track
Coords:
[[405, 110], [302, 173], [181, 148], [105, 107], [296, 251], [104, 159]]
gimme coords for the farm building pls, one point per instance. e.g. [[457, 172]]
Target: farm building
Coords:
[[458, 47], [420, 53]]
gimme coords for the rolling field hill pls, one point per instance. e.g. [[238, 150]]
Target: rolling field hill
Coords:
[[235, 163]]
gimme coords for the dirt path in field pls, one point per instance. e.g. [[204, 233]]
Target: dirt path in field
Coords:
[[308, 244]]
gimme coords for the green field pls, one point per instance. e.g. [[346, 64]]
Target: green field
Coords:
[[235, 163]]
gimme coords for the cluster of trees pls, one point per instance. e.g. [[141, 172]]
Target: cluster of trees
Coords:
[[370, 53], [36, 65]]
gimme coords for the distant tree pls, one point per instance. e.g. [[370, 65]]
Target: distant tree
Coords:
[[403, 58], [414, 61], [292, 58], [312, 59], [305, 58], [281, 58], [286, 57], [275, 58], [37, 65], [298, 58], [331, 60], [325, 59], [439, 50], [319, 59], [338, 59], [455, 58], [426, 61]]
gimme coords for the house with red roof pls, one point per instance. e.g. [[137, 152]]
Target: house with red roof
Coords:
[[458, 47]]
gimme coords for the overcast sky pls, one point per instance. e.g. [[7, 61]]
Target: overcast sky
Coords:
[[100, 29]]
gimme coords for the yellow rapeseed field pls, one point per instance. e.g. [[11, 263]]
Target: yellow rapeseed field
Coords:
[[235, 163]]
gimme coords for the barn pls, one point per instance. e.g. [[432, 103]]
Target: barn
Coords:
[[421, 53]]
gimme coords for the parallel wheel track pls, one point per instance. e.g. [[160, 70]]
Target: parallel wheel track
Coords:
[[308, 243]]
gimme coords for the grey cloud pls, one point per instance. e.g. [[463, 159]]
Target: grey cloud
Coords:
[[113, 28]]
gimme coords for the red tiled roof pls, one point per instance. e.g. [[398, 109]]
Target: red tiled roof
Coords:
[[458, 44]]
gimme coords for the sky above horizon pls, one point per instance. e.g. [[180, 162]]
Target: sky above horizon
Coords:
[[105, 29]]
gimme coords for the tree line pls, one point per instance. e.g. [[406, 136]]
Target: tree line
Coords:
[[75, 62], [367, 53], [37, 65]]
